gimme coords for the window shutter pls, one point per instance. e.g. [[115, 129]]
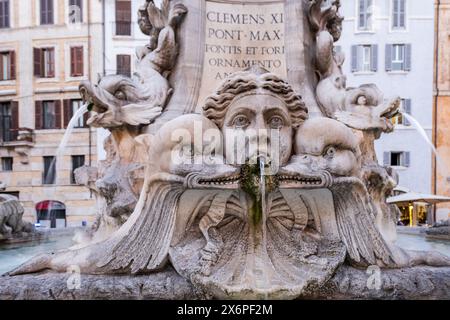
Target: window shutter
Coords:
[[12, 64], [72, 62], [49, 11], [124, 64], [386, 158], [14, 120], [408, 57], [51, 62], [2, 14], [374, 56], [406, 159], [85, 119], [388, 57], [127, 65], [407, 107], [58, 114], [402, 11], [395, 14], [37, 57], [354, 58], [38, 115], [123, 11], [80, 63], [43, 11], [67, 112], [76, 61]]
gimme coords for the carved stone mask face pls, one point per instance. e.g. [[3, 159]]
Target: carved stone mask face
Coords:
[[263, 122]]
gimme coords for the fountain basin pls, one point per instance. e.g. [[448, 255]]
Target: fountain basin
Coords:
[[424, 283], [15, 252]]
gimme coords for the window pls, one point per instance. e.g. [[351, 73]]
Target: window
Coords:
[[75, 106], [399, 119], [4, 14], [49, 175], [6, 121], [398, 14], [9, 121], [49, 119], [398, 57], [365, 58], [71, 107], [75, 11], [397, 159], [48, 114], [44, 62], [76, 61], [7, 164], [365, 14], [7, 65], [46, 11], [123, 18], [124, 65], [77, 162]]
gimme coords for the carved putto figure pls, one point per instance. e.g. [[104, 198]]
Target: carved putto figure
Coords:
[[252, 198]]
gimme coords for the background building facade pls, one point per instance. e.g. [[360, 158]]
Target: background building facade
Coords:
[[47, 47], [390, 43], [441, 115]]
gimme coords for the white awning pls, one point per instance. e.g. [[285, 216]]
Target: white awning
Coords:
[[412, 197]]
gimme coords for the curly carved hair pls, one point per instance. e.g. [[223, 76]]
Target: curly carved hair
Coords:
[[254, 79]]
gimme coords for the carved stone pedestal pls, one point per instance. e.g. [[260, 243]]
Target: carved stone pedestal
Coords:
[[347, 283]]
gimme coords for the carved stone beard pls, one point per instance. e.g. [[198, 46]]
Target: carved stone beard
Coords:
[[226, 252]]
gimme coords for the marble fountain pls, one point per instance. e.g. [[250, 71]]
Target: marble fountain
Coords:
[[239, 166]]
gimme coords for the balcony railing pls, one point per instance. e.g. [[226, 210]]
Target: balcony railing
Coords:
[[18, 136]]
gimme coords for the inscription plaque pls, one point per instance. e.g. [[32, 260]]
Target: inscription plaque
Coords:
[[240, 35]]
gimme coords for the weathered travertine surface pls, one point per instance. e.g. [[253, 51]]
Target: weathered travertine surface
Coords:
[[49, 286], [417, 283], [348, 283]]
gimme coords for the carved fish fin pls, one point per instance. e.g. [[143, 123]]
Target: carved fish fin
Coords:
[[36, 264], [356, 225], [145, 246], [136, 114]]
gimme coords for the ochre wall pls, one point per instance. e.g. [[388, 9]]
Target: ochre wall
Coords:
[[442, 106]]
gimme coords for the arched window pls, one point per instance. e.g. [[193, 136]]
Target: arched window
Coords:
[[51, 213]]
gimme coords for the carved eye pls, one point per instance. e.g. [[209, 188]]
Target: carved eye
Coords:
[[276, 122], [241, 121], [331, 152], [120, 95]]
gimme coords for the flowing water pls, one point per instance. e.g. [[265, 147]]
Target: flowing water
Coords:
[[72, 123], [263, 200], [424, 136], [57, 163]]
